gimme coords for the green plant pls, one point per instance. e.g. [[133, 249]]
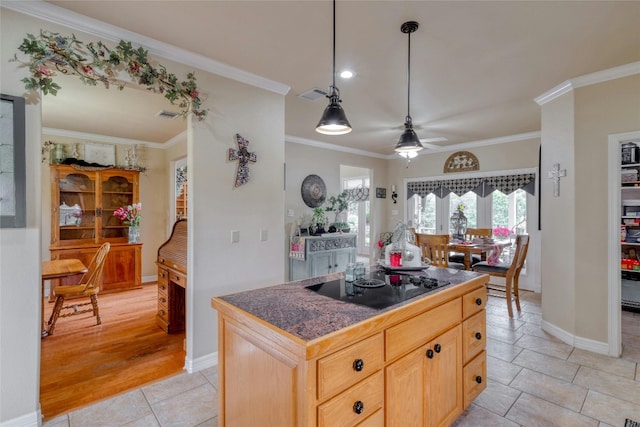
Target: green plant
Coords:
[[338, 203], [318, 216], [95, 63]]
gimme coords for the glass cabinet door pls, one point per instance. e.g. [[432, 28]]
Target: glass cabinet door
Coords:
[[118, 189], [77, 207]]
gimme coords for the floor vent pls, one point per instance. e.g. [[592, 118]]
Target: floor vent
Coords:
[[313, 94]]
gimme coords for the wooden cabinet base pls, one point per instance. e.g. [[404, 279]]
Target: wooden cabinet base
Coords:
[[122, 269], [403, 367]]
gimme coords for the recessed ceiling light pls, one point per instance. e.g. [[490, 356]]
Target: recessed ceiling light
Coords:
[[346, 74]]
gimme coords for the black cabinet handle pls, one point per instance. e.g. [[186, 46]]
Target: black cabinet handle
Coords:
[[478, 301], [358, 407], [336, 266], [478, 335], [437, 348], [430, 354], [479, 379], [358, 365]]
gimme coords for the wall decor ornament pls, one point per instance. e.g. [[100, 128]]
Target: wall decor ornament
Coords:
[[381, 193], [51, 53], [243, 156], [313, 191], [461, 161]]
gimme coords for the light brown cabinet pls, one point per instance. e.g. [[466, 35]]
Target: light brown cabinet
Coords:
[[82, 207], [418, 365]]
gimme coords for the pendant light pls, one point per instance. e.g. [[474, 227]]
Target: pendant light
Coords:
[[334, 120], [409, 141]]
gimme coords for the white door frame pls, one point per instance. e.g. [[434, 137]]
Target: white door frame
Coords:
[[613, 268]]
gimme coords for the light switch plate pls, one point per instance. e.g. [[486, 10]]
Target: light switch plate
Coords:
[[263, 235], [235, 236]]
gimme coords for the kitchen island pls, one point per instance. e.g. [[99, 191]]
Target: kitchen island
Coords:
[[291, 356]]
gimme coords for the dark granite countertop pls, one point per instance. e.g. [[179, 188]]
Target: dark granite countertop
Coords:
[[308, 315]]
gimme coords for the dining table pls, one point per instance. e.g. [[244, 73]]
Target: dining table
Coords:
[[56, 269], [482, 249]]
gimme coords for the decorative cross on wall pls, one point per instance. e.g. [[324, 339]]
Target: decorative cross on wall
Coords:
[[243, 156], [555, 174]]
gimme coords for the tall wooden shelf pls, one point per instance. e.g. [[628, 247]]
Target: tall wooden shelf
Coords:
[[82, 207], [181, 202]]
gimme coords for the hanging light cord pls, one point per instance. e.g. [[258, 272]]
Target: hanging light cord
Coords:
[[334, 89], [408, 118]]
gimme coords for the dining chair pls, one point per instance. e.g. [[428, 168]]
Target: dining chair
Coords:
[[435, 247], [510, 272], [472, 233], [88, 287]]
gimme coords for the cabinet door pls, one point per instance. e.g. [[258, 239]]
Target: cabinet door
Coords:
[[118, 188], [406, 390], [73, 207], [321, 263], [342, 258], [444, 378]]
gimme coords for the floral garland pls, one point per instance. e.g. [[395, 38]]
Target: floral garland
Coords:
[[95, 62]]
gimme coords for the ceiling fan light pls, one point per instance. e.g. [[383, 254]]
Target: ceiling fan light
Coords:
[[334, 120], [408, 154]]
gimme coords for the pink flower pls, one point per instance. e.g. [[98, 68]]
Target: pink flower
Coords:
[[501, 232], [130, 215], [380, 244], [42, 70], [194, 94]]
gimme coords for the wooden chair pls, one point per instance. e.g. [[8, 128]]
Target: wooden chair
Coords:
[[435, 247], [511, 273], [472, 233], [88, 287]]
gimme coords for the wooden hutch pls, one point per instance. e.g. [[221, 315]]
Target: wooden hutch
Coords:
[[83, 200]]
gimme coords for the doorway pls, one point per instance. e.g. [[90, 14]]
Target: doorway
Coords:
[[136, 309], [616, 195], [356, 182]]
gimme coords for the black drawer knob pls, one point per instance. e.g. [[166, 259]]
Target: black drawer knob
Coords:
[[478, 301], [479, 379], [358, 407], [430, 354], [478, 335], [358, 365], [437, 348]]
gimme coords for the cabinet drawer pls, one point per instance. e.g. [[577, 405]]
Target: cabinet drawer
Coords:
[[416, 331], [365, 397], [179, 279], [474, 301], [474, 336], [375, 420], [350, 365], [474, 378], [163, 277]]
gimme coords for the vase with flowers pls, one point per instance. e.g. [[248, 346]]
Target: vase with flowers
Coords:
[[130, 215]]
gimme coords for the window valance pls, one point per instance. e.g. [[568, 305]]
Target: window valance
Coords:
[[482, 186]]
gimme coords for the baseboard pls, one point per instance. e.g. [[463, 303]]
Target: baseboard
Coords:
[[148, 279], [577, 342], [204, 362], [28, 420]]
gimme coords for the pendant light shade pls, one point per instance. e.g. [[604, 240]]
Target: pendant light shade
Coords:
[[334, 120], [409, 141]]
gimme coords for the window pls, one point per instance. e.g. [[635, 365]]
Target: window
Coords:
[[359, 211]]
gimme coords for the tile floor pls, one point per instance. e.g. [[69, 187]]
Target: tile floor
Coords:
[[534, 379]]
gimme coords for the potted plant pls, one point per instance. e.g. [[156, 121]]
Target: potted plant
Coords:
[[318, 220], [338, 204]]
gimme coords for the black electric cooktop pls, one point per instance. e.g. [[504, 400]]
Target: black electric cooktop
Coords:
[[380, 289]]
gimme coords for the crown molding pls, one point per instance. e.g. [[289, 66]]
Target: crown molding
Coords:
[[94, 137], [334, 147], [587, 80], [75, 21], [454, 147]]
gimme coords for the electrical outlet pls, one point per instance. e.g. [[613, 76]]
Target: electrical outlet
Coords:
[[235, 236], [263, 235], [290, 213]]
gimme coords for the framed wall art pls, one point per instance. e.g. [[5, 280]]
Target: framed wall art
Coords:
[[13, 197]]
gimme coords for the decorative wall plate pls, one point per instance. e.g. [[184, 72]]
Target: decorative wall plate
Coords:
[[313, 191], [461, 161]]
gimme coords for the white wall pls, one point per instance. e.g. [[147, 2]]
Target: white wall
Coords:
[[20, 259]]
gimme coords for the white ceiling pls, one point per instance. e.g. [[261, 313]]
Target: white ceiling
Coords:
[[476, 66]]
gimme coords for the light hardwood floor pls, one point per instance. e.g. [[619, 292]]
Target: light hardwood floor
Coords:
[[83, 363]]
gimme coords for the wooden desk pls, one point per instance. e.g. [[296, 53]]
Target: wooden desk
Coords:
[[481, 249], [56, 269]]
